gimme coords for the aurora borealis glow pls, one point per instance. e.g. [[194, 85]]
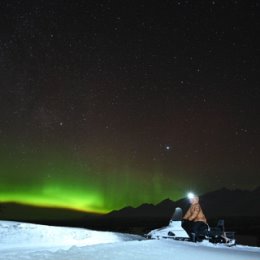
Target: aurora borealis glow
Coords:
[[51, 181], [106, 105]]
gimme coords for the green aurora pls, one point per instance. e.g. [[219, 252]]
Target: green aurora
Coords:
[[55, 180]]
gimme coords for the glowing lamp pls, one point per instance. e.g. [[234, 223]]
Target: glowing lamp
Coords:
[[190, 195]]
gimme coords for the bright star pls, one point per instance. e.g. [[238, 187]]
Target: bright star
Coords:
[[168, 147]]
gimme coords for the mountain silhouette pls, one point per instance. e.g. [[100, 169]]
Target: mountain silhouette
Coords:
[[216, 204], [219, 203]]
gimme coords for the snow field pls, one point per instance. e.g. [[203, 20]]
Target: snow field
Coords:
[[21, 241]]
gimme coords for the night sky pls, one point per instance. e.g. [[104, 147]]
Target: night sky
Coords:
[[106, 104]]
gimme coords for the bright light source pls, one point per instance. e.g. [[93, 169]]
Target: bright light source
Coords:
[[190, 195]]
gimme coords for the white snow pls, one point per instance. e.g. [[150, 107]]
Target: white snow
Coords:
[[21, 241]]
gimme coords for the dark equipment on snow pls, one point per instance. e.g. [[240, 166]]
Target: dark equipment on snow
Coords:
[[219, 235]]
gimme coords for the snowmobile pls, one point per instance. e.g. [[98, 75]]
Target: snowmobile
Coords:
[[215, 235]]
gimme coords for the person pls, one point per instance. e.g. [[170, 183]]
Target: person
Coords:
[[194, 221]]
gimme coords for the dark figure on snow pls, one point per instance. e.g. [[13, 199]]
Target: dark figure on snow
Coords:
[[194, 221]]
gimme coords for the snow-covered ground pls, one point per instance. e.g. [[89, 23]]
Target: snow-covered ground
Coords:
[[21, 241]]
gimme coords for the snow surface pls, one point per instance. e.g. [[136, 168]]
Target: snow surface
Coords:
[[21, 241]]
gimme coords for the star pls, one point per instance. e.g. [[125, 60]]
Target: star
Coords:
[[167, 147]]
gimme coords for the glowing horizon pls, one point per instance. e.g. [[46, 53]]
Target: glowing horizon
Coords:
[[55, 181]]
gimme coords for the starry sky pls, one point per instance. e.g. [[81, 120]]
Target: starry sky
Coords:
[[105, 104]]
